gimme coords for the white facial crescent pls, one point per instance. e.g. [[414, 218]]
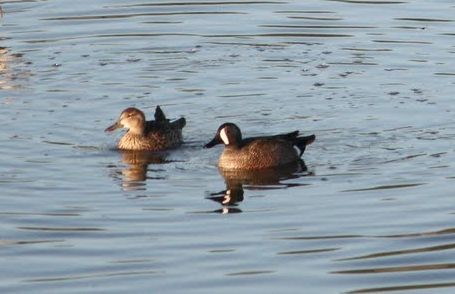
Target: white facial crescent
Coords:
[[224, 136]]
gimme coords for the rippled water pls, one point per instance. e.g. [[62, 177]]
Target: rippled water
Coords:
[[372, 212]]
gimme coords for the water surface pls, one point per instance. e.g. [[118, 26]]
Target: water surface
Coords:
[[372, 211]]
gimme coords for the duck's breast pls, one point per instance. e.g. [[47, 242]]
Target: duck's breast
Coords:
[[153, 141]]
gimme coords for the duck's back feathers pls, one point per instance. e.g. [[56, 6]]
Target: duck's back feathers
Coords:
[[286, 137], [292, 137]]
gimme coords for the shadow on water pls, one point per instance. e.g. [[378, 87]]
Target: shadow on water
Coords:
[[265, 179]]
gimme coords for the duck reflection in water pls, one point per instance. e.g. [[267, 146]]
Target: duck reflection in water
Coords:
[[265, 179], [134, 174], [228, 198]]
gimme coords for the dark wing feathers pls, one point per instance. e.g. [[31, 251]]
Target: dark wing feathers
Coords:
[[162, 123], [293, 137], [159, 115], [286, 136]]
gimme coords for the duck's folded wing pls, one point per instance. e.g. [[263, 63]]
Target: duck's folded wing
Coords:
[[159, 115], [288, 136], [292, 136]]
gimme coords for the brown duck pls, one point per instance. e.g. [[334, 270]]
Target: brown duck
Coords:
[[258, 152], [156, 135]]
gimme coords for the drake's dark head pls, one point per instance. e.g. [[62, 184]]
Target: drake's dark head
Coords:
[[227, 134]]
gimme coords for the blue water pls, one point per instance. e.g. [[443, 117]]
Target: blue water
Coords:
[[373, 212]]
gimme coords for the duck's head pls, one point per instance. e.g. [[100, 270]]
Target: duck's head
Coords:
[[227, 134], [132, 119]]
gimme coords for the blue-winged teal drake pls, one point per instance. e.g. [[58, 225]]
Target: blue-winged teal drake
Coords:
[[156, 135], [257, 152]]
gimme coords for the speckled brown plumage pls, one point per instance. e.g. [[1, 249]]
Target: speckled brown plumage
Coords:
[[257, 152], [159, 134]]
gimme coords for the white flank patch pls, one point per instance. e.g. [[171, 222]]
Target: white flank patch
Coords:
[[296, 149], [224, 136], [227, 197]]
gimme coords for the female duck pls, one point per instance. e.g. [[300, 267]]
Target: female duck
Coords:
[[257, 152], [156, 135]]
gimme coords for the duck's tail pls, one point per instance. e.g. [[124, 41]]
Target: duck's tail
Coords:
[[179, 123], [302, 142]]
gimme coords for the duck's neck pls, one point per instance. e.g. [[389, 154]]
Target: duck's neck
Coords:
[[232, 146], [137, 131]]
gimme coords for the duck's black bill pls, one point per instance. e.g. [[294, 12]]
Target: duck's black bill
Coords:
[[215, 141], [115, 126]]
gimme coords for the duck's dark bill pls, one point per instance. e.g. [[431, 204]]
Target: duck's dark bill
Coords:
[[212, 143], [113, 127]]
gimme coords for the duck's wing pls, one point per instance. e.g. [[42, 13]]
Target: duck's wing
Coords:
[[287, 136], [159, 115], [292, 136], [162, 121]]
